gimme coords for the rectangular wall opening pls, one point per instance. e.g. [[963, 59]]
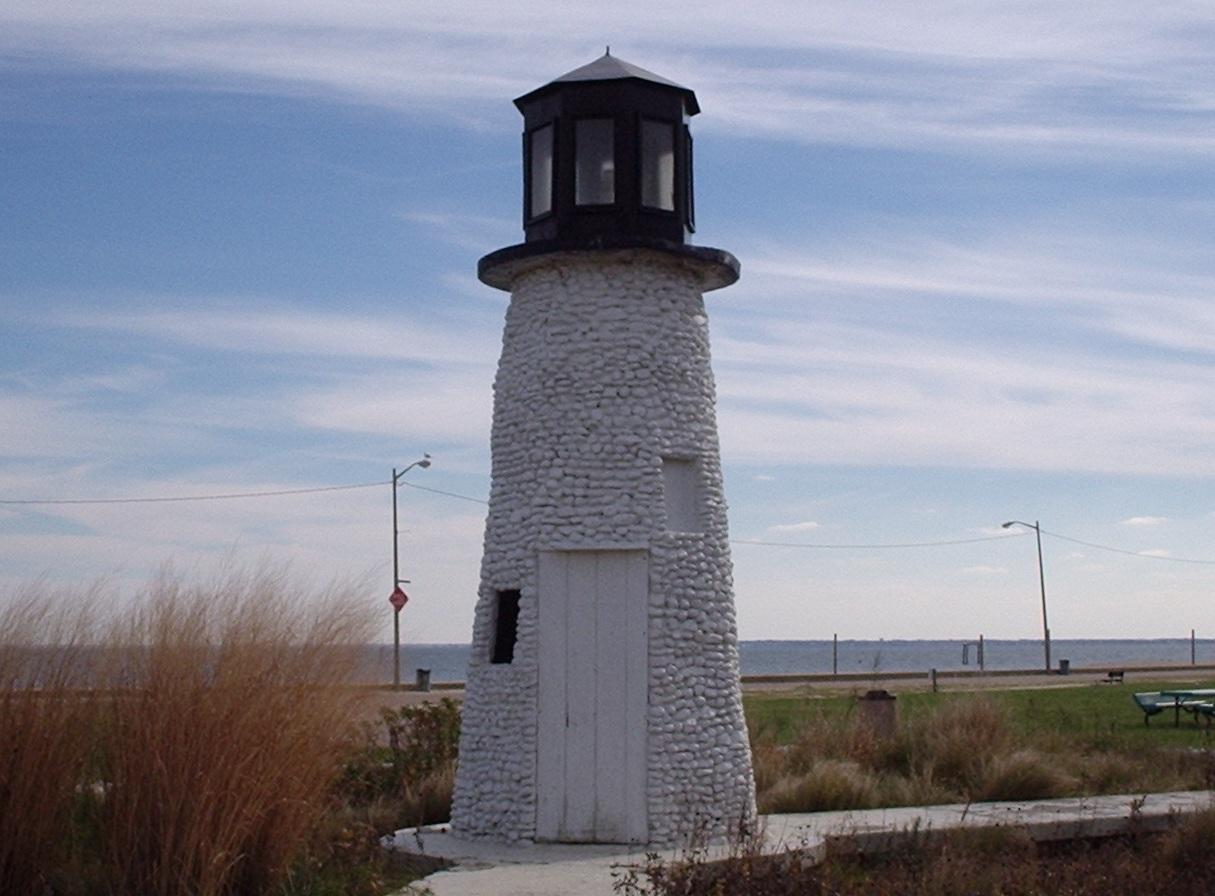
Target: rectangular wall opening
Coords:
[[682, 494], [506, 626]]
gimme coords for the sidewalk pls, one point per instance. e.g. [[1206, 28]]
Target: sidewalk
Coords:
[[491, 869]]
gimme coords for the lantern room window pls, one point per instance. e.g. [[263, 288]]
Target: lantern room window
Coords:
[[594, 162], [540, 172], [658, 165], [689, 194]]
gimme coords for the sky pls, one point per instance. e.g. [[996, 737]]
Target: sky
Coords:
[[238, 246]]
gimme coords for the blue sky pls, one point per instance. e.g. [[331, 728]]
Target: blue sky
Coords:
[[238, 249]]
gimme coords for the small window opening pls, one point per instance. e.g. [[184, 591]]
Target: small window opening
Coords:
[[594, 162], [658, 165], [540, 171], [506, 626], [681, 494]]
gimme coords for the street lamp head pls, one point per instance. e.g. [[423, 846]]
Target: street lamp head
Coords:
[[1009, 523], [424, 462]]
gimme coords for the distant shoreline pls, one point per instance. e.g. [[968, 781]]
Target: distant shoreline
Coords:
[[1054, 675], [821, 662], [947, 680]]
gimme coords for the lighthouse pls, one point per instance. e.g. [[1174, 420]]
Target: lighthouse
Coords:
[[602, 702]]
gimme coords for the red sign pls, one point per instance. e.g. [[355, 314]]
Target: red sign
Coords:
[[398, 598]]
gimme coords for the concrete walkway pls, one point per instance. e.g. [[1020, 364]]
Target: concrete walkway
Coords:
[[490, 869]]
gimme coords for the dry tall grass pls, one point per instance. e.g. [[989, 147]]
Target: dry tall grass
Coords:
[[961, 751], [209, 744], [978, 862], [45, 727]]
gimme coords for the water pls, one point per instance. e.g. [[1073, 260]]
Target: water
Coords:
[[449, 662], [793, 657]]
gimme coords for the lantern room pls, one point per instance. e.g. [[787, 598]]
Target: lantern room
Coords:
[[607, 155]]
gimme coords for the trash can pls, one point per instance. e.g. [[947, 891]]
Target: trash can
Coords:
[[877, 713], [422, 680], [1065, 667]]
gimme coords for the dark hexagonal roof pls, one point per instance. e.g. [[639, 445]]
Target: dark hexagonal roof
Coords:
[[612, 68]]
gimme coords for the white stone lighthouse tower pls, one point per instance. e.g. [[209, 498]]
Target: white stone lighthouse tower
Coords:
[[602, 700]]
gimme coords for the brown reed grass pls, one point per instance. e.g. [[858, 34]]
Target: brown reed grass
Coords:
[[188, 746], [227, 729], [45, 730]]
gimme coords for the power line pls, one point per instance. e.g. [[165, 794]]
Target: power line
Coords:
[[231, 495], [860, 547], [1103, 547], [935, 544], [436, 491], [173, 498]]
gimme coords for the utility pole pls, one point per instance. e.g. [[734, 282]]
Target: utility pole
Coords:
[[398, 598], [1041, 582]]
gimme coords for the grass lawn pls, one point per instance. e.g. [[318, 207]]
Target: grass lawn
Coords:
[[815, 753], [1098, 714]]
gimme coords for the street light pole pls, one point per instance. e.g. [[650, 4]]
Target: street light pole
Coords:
[[1041, 583], [398, 598]]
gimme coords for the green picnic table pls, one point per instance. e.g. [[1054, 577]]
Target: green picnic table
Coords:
[[1190, 699]]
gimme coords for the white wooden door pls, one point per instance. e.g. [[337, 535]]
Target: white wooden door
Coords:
[[593, 667]]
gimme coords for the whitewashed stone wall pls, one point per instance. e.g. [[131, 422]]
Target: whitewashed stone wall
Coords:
[[605, 371]]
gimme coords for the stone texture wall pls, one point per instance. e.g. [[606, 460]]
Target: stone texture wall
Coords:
[[604, 372]]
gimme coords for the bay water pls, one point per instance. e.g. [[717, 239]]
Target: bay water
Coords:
[[449, 662]]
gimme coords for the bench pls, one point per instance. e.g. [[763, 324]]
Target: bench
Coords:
[[1114, 676]]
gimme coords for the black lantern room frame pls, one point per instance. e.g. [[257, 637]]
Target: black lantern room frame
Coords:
[[607, 164], [607, 159]]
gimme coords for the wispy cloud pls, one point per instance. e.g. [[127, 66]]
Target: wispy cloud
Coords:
[[331, 532], [1026, 75], [473, 232], [983, 570], [1145, 521], [921, 351], [303, 331], [806, 392], [806, 526], [438, 405], [1111, 288], [1048, 310]]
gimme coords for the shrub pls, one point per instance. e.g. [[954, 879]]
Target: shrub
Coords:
[[408, 761], [958, 740], [1102, 772], [768, 762], [1022, 775], [827, 785]]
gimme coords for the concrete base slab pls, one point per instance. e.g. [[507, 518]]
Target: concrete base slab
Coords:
[[586, 869]]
